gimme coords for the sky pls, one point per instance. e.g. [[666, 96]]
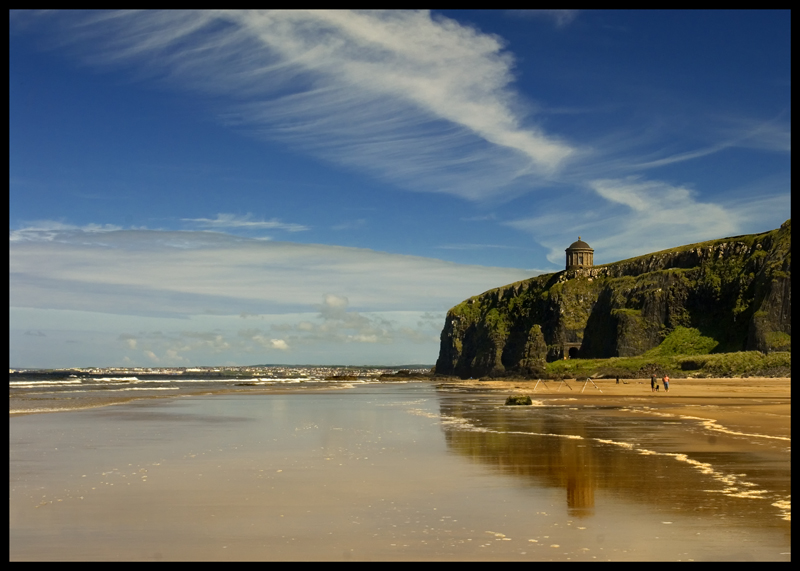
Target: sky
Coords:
[[235, 188]]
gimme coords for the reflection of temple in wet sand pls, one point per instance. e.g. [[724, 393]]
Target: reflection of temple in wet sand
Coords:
[[580, 497], [582, 452], [579, 477], [564, 462]]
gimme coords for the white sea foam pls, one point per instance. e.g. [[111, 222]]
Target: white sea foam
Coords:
[[627, 445], [110, 390], [37, 384], [710, 424], [734, 484], [61, 409], [143, 389], [551, 435], [707, 423], [461, 423], [785, 505], [534, 403], [32, 410]]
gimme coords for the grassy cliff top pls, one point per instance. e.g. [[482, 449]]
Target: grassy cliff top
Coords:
[[748, 239], [779, 237]]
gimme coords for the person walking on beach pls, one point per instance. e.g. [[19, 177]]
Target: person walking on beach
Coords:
[[653, 383], [666, 383]]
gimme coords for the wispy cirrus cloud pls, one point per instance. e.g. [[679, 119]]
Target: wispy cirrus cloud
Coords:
[[771, 135], [479, 247], [636, 216], [732, 132], [421, 101], [560, 18], [246, 222], [430, 104], [46, 230]]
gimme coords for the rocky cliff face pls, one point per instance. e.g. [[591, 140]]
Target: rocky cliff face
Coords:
[[736, 290]]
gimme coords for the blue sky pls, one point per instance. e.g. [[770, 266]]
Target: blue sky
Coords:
[[211, 188]]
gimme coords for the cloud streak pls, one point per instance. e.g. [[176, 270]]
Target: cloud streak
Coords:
[[421, 101], [636, 216], [186, 273], [47, 230], [246, 222], [560, 18], [772, 136], [147, 297]]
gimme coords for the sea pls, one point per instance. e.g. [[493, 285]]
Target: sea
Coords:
[[38, 391]]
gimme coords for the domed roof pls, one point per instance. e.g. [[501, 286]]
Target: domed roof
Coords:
[[579, 245]]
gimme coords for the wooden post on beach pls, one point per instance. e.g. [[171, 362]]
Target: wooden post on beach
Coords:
[[540, 381], [589, 380]]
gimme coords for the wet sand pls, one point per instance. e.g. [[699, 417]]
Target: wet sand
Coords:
[[411, 472], [749, 404]]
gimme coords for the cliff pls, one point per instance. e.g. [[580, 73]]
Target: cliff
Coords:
[[735, 291]]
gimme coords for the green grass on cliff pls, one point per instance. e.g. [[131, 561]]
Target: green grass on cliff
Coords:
[[684, 341], [741, 364]]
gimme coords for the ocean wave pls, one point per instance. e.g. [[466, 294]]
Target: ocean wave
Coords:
[[35, 410], [37, 384], [96, 391]]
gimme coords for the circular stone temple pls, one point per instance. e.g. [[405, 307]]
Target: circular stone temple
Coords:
[[579, 255]]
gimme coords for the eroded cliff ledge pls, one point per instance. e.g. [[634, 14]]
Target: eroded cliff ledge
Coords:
[[735, 290]]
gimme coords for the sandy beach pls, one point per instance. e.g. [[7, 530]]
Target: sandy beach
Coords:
[[747, 404], [412, 471]]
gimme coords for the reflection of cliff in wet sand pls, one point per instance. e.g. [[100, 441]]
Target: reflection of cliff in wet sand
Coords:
[[669, 452]]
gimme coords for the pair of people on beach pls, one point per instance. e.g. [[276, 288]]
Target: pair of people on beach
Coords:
[[654, 383]]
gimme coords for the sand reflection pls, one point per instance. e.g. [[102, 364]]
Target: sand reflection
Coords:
[[663, 460]]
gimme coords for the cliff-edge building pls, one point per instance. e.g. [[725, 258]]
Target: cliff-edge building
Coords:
[[580, 255]]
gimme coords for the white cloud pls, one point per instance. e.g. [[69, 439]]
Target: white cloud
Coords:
[[664, 215], [171, 298], [52, 229], [636, 216], [422, 101], [279, 344], [560, 18], [189, 273], [244, 222], [81, 338]]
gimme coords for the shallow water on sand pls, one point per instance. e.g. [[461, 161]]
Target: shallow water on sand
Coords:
[[391, 472]]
